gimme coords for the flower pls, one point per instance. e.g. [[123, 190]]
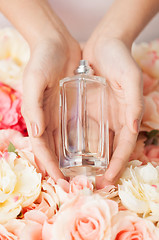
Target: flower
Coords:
[[24, 229], [149, 84], [151, 113], [10, 110], [20, 185], [83, 218], [139, 189], [79, 183], [14, 55], [127, 226], [66, 190], [16, 138], [138, 152], [147, 56], [5, 235], [152, 153], [146, 153]]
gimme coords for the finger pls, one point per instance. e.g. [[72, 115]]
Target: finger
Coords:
[[47, 157], [125, 146], [134, 99], [34, 86]]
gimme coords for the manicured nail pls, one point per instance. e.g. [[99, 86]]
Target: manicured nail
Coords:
[[34, 129], [136, 125]]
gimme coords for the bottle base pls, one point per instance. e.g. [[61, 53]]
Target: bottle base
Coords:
[[83, 170]]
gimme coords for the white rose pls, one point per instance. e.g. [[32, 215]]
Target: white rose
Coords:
[[139, 190], [20, 185]]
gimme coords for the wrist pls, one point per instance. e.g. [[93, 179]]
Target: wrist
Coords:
[[50, 36], [106, 34]]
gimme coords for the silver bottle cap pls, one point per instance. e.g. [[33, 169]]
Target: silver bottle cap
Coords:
[[84, 68]]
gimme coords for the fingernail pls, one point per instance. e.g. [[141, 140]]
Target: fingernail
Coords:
[[34, 129], [136, 125]]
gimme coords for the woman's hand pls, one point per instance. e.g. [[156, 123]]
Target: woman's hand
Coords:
[[50, 61], [111, 58]]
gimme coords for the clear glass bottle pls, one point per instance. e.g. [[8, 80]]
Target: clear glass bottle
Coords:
[[83, 140]]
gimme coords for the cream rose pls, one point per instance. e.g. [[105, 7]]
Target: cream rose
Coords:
[[147, 56], [139, 189], [14, 55], [20, 185], [82, 218]]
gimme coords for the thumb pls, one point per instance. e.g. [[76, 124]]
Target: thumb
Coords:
[[32, 110], [134, 101]]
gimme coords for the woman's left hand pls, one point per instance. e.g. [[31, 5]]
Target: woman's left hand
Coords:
[[111, 59]]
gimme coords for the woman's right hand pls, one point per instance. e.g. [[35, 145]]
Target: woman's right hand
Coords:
[[51, 60]]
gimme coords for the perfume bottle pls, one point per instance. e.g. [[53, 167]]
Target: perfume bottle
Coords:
[[83, 139]]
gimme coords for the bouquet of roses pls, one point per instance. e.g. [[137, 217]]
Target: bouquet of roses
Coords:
[[33, 207]]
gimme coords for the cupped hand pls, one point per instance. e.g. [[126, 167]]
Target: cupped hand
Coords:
[[112, 59], [50, 61]]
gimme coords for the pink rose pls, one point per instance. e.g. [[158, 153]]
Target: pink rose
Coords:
[[5, 235], [152, 153], [15, 137], [146, 154], [126, 226], [66, 190], [82, 218], [10, 110], [149, 83], [79, 183], [151, 114], [138, 153]]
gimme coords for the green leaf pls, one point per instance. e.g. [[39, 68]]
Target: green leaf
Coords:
[[11, 147], [153, 133]]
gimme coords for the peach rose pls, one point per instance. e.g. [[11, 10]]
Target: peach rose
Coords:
[[149, 83], [46, 205], [25, 229], [35, 215], [79, 183], [126, 226], [66, 190], [151, 113], [82, 218], [5, 235]]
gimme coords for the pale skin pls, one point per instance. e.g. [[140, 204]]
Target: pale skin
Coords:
[[55, 54]]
